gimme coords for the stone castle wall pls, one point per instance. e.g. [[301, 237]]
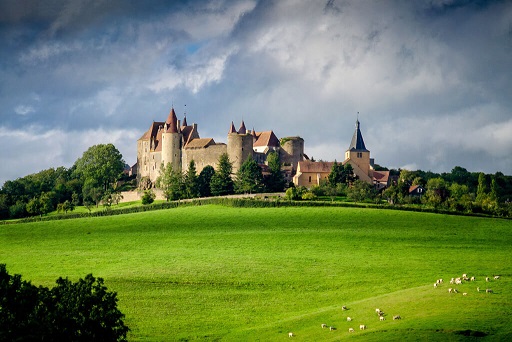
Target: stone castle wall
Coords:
[[203, 156]]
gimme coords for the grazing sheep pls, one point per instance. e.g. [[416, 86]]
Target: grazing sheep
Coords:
[[435, 285], [377, 311], [397, 317], [350, 330], [381, 313], [382, 318], [450, 290], [344, 308], [349, 319], [290, 334], [332, 328], [488, 290], [472, 279], [487, 279], [458, 281], [455, 291], [464, 275], [464, 293], [324, 325], [452, 281], [477, 289], [362, 327], [496, 277]]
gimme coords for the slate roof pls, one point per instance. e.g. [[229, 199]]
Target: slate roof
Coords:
[[381, 176], [357, 143], [242, 129]]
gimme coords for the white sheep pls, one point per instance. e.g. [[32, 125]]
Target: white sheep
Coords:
[[486, 279], [343, 308], [324, 325], [382, 318], [396, 317], [290, 334], [464, 275], [496, 277], [332, 328], [362, 327], [350, 330], [377, 311], [488, 290], [472, 279], [435, 285], [349, 319], [455, 291], [450, 290], [464, 293], [477, 289]]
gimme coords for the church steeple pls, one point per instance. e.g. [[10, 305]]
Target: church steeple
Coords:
[[357, 142]]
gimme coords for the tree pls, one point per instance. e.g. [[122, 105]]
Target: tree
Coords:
[[221, 182], [81, 311], [204, 179], [249, 178], [171, 182], [148, 197], [337, 174], [437, 192], [481, 192], [275, 181], [102, 165], [191, 181], [361, 190]]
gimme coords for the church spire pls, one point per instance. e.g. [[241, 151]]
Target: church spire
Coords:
[[242, 129], [357, 142]]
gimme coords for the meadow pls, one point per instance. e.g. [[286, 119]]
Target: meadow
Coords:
[[244, 274]]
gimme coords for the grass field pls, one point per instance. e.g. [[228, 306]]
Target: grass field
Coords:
[[246, 274]]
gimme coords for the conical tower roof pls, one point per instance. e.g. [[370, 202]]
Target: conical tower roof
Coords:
[[232, 128], [184, 121], [357, 143], [242, 129], [172, 122]]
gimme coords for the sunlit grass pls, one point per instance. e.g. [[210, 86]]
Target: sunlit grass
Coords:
[[213, 272]]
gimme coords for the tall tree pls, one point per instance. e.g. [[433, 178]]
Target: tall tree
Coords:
[[103, 164], [171, 182], [204, 179], [191, 181], [481, 192], [222, 183], [275, 181], [249, 178]]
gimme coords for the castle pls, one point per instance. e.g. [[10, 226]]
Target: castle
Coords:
[[178, 143]]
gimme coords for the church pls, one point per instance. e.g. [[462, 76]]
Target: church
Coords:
[[310, 173], [176, 142]]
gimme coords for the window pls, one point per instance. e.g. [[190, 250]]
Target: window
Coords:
[[310, 179], [359, 154]]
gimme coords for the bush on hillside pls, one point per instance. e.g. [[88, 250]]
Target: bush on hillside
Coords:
[[81, 311]]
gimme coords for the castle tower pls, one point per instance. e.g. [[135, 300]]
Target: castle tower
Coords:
[[358, 154], [292, 151], [239, 147], [172, 141]]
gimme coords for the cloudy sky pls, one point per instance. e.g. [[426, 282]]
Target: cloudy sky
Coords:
[[431, 80]]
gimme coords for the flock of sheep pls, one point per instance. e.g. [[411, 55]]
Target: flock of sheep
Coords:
[[438, 283], [464, 279], [379, 313]]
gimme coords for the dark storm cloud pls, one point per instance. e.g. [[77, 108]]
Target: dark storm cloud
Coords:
[[429, 78]]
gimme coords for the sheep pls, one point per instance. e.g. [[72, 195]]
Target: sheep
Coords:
[[362, 327], [464, 293], [458, 281], [488, 291], [455, 291], [381, 318], [344, 308], [450, 290], [487, 279], [332, 328], [439, 281], [396, 317], [452, 281], [472, 279], [350, 330], [477, 289], [381, 313], [435, 285], [324, 325], [496, 277], [464, 275], [349, 319], [290, 334]]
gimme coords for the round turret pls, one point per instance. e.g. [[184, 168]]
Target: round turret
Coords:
[[292, 151]]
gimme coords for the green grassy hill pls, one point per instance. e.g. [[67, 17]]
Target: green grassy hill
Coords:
[[222, 273]]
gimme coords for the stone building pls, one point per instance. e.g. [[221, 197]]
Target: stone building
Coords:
[[357, 155], [178, 143]]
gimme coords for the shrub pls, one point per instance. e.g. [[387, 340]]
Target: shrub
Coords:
[[148, 197]]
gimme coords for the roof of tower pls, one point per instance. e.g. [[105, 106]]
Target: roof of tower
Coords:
[[232, 128], [242, 129], [266, 138], [357, 142], [184, 121], [172, 122]]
